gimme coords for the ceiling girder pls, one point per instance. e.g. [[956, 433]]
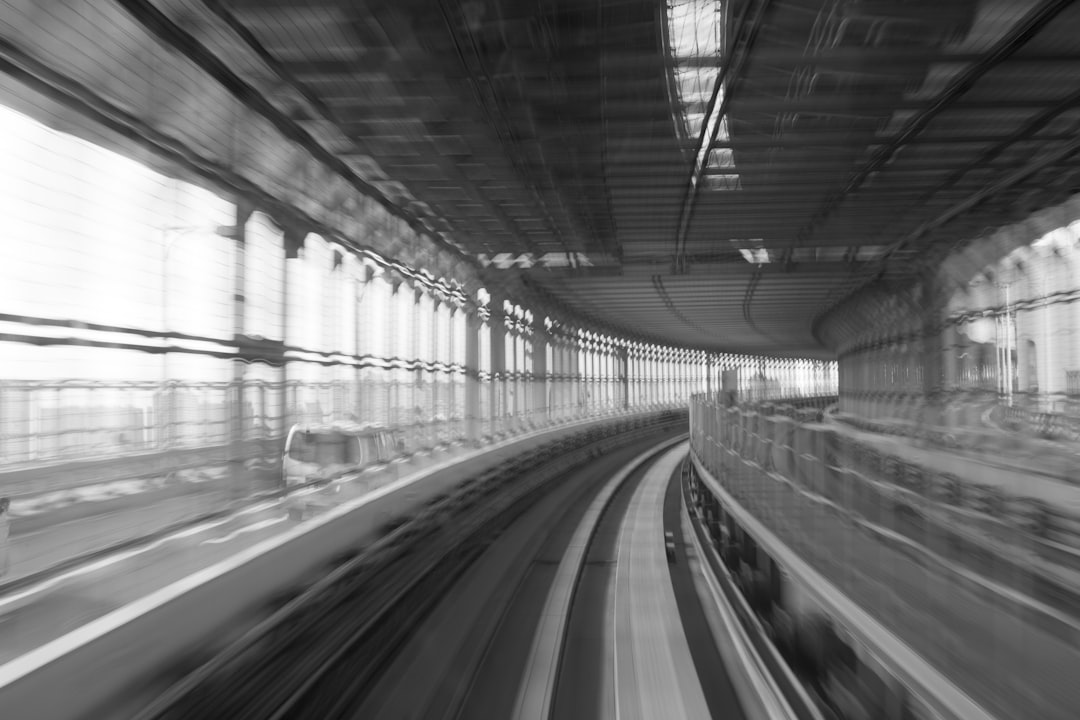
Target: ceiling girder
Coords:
[[535, 122]]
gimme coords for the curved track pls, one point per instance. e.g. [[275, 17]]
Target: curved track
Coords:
[[576, 612], [475, 648], [637, 644], [336, 649]]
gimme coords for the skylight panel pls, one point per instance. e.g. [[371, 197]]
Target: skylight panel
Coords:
[[695, 36]]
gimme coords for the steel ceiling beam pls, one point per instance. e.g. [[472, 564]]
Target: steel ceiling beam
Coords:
[[1008, 46]]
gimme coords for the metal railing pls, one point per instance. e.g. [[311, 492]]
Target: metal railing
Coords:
[[923, 552]]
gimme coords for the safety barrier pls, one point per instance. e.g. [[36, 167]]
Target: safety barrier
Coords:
[[851, 665], [830, 496]]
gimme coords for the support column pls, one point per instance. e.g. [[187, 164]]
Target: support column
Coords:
[[434, 375], [577, 391], [453, 430], [359, 290], [522, 399], [647, 389], [569, 382], [473, 429], [562, 382], [585, 372], [540, 410], [417, 388], [238, 480], [293, 240], [623, 372], [950, 373], [395, 347], [933, 377], [498, 366]]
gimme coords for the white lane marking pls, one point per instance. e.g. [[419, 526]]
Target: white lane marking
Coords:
[[246, 529]]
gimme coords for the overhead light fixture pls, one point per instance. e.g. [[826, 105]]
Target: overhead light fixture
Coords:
[[752, 250]]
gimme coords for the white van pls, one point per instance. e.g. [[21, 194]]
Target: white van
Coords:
[[323, 452]]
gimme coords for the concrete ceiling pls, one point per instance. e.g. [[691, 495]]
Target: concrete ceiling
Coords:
[[862, 142]]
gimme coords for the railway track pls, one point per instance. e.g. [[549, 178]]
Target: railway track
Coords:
[[321, 653]]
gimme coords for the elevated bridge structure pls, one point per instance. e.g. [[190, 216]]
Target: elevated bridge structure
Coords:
[[842, 233]]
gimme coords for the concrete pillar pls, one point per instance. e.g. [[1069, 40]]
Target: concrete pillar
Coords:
[[585, 373], [358, 343], [541, 413], [514, 404], [473, 428], [577, 376], [646, 365], [416, 386], [932, 360], [555, 373], [293, 240], [238, 480], [569, 383], [498, 405], [608, 376], [433, 376], [623, 372], [451, 377]]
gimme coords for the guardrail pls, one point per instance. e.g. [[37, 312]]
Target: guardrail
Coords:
[[825, 492], [767, 686], [855, 666]]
